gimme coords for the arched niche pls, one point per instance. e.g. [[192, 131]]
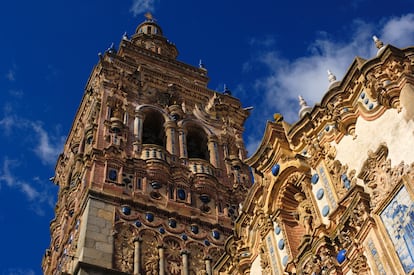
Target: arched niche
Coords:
[[197, 143], [284, 207], [153, 128]]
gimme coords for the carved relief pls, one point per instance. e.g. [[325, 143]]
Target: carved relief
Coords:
[[344, 238], [264, 260], [341, 178], [124, 248], [379, 176], [150, 256], [359, 264], [305, 213], [172, 256], [327, 259], [196, 259], [359, 215]]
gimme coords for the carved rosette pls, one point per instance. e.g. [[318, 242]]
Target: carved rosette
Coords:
[[173, 258]]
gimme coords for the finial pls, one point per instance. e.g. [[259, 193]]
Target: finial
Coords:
[[149, 17], [125, 36], [331, 77], [111, 48], [278, 117], [201, 65], [226, 90], [378, 42], [304, 108], [302, 101]]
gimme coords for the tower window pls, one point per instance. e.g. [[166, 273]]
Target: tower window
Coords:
[[112, 174], [153, 130], [197, 144], [139, 183]]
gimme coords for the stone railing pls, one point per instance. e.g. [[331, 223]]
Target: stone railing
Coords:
[[154, 152], [200, 166]]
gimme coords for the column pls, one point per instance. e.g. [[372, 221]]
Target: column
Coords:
[[207, 261], [183, 143], [162, 261], [137, 255], [170, 133], [184, 255], [138, 121], [214, 155]]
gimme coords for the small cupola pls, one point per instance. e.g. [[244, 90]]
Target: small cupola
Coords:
[[149, 35], [149, 26]]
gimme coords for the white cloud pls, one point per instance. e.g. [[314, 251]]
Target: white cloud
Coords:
[[37, 192], [47, 147], [7, 124], [399, 31], [47, 150], [12, 182], [16, 93], [11, 75], [19, 271], [142, 6], [307, 75]]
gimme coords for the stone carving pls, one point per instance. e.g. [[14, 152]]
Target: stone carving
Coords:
[[196, 258], [150, 256], [304, 213], [173, 259], [379, 176], [151, 265], [341, 178], [124, 248], [359, 265], [359, 215], [344, 238], [264, 260], [327, 260], [314, 265]]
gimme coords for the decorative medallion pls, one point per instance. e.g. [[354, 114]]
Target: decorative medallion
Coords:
[[126, 210], [275, 169], [315, 178]]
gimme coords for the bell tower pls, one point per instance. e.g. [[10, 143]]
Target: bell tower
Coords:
[[151, 175]]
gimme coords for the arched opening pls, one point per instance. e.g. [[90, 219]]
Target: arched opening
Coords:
[[197, 143], [153, 129]]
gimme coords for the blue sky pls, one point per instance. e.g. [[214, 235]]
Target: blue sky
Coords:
[[266, 52]]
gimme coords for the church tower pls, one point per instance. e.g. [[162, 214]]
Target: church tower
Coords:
[[151, 175]]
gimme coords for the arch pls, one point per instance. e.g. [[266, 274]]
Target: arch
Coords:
[[153, 128], [283, 205], [186, 123], [197, 143]]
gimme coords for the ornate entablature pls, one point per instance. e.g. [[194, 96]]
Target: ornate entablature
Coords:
[[334, 191], [152, 173]]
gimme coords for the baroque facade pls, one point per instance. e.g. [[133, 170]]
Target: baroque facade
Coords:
[[333, 193], [152, 173]]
